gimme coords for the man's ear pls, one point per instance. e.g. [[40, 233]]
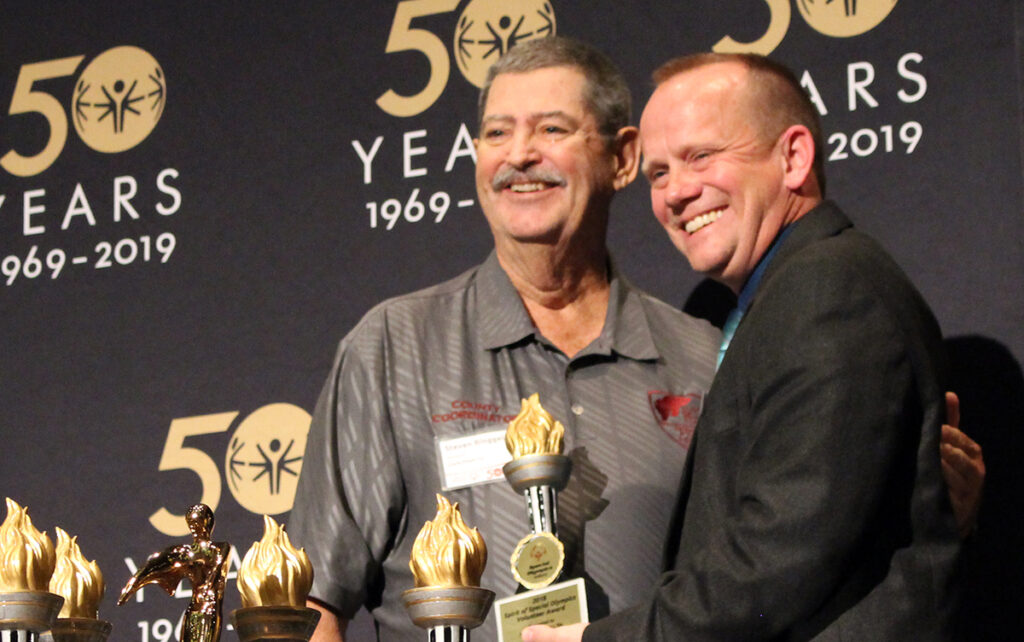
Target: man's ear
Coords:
[[797, 145], [627, 156]]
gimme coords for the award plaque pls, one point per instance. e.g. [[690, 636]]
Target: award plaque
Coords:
[[539, 470], [555, 605]]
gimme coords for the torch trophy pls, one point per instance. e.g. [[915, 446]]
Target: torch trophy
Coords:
[[274, 580], [539, 470], [80, 583], [447, 561], [27, 559], [204, 562]]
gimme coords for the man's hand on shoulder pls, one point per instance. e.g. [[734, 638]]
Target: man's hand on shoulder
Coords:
[[963, 468]]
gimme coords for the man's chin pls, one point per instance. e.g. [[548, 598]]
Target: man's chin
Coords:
[[546, 237], [705, 266]]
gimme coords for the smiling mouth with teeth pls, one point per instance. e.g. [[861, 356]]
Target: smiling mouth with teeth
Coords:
[[703, 220], [527, 187]]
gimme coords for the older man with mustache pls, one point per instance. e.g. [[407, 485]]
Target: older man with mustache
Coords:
[[546, 312]]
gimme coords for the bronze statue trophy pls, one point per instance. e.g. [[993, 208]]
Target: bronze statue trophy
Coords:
[[447, 561], [538, 470], [204, 563], [274, 580], [27, 560], [80, 583]]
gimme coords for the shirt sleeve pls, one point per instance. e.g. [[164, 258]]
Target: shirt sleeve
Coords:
[[350, 497]]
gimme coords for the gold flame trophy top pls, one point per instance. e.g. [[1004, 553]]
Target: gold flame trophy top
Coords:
[[446, 552], [534, 431], [76, 579], [27, 556], [273, 572]]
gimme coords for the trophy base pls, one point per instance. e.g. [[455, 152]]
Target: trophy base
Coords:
[[538, 470], [34, 611], [278, 623], [556, 605], [77, 629], [445, 606]]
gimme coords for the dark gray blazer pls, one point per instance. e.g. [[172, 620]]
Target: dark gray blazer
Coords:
[[813, 505]]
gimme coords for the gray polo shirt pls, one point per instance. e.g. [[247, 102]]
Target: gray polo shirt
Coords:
[[456, 359]]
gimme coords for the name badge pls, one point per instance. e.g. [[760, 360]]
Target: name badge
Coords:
[[472, 459]]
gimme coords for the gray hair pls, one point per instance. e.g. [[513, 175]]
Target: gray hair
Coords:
[[605, 94]]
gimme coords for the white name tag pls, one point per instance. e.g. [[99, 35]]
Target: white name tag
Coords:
[[473, 459]]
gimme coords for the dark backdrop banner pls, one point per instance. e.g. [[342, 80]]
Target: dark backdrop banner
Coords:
[[198, 200]]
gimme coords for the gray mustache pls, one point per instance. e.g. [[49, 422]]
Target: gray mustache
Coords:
[[510, 175]]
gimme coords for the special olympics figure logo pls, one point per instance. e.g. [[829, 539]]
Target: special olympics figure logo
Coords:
[[489, 28], [844, 18], [119, 99], [264, 458]]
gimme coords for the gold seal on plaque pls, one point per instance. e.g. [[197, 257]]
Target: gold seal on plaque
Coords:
[[537, 560]]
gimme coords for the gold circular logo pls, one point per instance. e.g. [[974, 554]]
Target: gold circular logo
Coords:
[[264, 458], [119, 99], [844, 18], [489, 28], [537, 560]]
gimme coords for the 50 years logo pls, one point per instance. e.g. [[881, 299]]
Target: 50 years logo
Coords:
[[485, 30], [262, 463], [118, 100], [836, 18]]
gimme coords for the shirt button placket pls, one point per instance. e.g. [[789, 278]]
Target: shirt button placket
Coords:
[[574, 406]]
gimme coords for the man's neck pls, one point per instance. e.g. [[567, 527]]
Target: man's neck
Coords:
[[565, 293], [797, 206]]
